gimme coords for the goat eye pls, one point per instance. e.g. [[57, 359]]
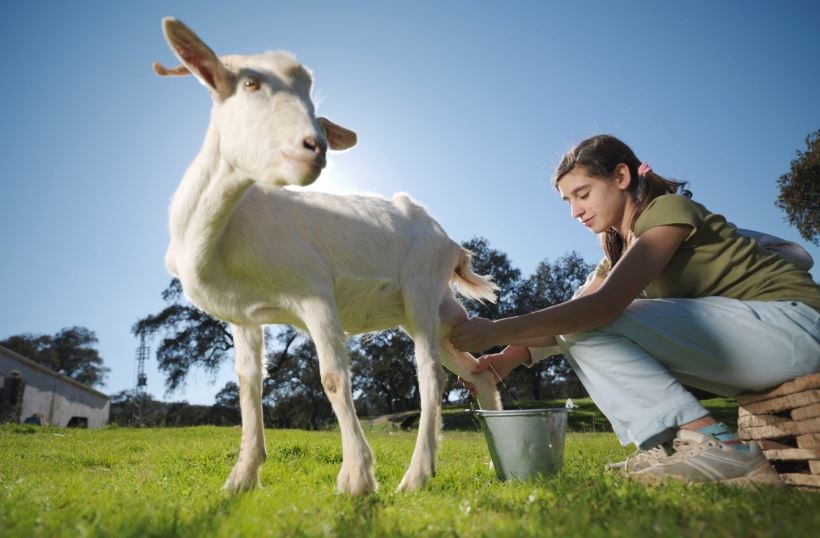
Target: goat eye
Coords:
[[251, 84]]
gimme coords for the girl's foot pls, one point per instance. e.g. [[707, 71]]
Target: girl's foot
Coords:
[[700, 457], [641, 459]]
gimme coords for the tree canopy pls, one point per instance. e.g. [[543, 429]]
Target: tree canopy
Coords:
[[800, 190], [190, 338], [70, 352]]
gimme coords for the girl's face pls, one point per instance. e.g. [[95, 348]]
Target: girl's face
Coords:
[[599, 204]]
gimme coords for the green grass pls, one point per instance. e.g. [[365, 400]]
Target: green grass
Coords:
[[166, 482]]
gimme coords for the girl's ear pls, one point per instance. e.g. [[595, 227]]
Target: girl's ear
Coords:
[[622, 176]]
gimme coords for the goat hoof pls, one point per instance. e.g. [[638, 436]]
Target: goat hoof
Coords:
[[413, 482], [356, 482], [241, 480]]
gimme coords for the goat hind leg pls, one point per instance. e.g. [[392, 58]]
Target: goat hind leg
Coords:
[[424, 318], [249, 345], [461, 363]]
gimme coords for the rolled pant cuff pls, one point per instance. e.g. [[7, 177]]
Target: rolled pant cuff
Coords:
[[669, 420]]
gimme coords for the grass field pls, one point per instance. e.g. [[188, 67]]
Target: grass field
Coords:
[[166, 482]]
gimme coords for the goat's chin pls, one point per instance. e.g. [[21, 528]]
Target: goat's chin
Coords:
[[298, 173], [310, 178], [307, 173]]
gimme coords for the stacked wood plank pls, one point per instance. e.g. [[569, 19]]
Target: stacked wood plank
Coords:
[[785, 422]]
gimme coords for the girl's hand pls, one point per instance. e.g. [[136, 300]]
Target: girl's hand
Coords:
[[484, 363], [475, 334], [500, 364]]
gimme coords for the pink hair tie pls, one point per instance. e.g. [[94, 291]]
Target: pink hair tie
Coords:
[[644, 169]]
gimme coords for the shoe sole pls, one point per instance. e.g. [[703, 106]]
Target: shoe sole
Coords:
[[761, 475]]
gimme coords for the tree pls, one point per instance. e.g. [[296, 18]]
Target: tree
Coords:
[[294, 385], [550, 284], [131, 408], [292, 391], [489, 261], [800, 190], [36, 347], [228, 397], [70, 352], [384, 371], [554, 283], [191, 337]]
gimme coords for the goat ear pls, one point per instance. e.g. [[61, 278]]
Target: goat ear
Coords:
[[198, 58], [338, 137], [163, 71]]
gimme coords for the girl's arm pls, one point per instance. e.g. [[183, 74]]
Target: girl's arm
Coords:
[[547, 341], [640, 265], [518, 353], [542, 341]]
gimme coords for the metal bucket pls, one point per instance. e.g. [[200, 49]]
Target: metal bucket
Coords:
[[524, 443]]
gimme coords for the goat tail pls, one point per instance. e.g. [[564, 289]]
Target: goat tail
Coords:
[[469, 284]]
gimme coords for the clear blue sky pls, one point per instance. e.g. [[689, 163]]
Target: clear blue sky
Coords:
[[466, 105]]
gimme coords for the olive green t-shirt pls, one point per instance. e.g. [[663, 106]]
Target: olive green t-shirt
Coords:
[[716, 261]]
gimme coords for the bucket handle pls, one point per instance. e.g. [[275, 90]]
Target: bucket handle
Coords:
[[472, 413]]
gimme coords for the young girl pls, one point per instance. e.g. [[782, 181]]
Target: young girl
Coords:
[[679, 299]]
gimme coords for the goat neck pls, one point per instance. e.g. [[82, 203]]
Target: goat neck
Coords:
[[201, 207]]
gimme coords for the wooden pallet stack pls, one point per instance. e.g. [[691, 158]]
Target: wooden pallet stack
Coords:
[[785, 422]]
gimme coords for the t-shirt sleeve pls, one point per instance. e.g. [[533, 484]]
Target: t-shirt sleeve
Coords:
[[666, 210], [537, 354]]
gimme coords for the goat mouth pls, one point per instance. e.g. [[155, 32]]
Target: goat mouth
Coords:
[[313, 161]]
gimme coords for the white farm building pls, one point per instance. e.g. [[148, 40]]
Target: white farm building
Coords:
[[52, 398]]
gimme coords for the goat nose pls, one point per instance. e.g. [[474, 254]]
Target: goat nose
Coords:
[[311, 143]]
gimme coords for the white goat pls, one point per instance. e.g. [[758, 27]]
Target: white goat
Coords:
[[251, 253]]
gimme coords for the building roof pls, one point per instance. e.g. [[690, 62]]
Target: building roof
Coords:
[[37, 366]]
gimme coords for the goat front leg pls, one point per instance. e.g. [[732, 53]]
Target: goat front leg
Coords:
[[249, 345], [461, 363], [320, 316]]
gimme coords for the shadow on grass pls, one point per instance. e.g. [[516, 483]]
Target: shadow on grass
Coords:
[[358, 516], [204, 522]]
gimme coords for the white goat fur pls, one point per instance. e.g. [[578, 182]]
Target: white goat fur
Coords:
[[252, 253]]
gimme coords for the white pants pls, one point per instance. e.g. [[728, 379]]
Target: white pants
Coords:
[[634, 368]]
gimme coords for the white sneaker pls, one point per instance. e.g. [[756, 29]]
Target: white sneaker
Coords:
[[702, 458]]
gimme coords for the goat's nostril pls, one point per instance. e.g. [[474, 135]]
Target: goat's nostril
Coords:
[[312, 144]]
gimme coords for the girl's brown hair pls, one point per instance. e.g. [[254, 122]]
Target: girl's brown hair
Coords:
[[600, 155]]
